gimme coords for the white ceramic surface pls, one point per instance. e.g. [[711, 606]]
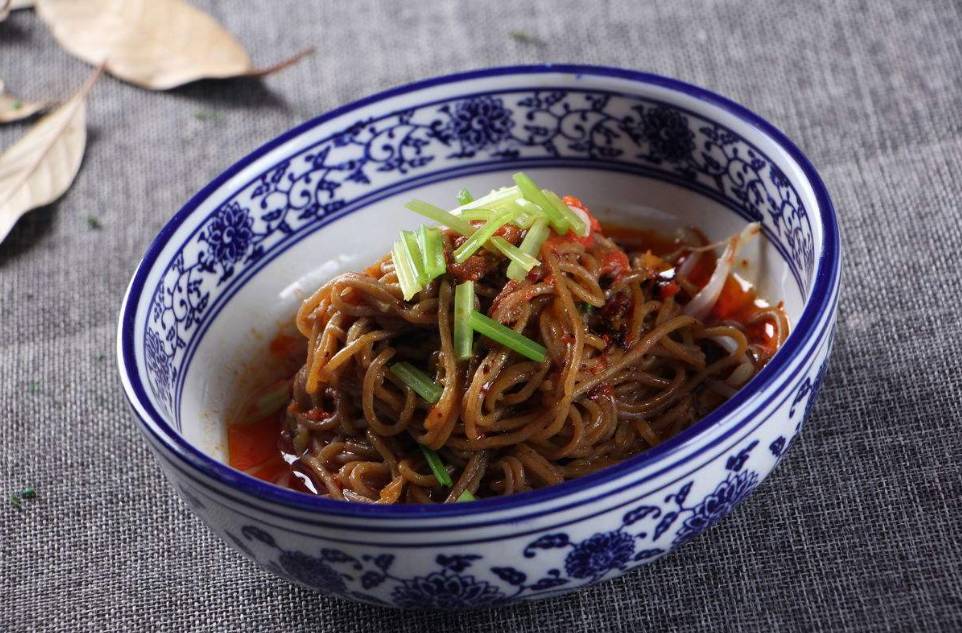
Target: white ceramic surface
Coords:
[[326, 198]]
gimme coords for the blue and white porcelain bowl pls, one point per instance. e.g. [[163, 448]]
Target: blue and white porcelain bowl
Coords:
[[326, 197]]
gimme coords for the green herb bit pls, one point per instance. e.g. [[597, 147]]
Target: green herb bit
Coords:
[[532, 193], [33, 386], [93, 223], [531, 245], [526, 38], [418, 381], [27, 493], [437, 466], [273, 399], [465, 197], [15, 501], [482, 235], [432, 251], [504, 335], [440, 216], [524, 261], [574, 220], [414, 255], [466, 495], [586, 308], [463, 306], [404, 268], [16, 105], [473, 215]]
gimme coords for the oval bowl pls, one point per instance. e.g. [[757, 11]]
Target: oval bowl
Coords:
[[326, 197]]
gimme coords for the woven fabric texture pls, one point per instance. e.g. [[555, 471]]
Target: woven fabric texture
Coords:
[[858, 530]]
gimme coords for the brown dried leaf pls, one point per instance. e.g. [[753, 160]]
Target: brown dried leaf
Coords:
[[6, 6], [40, 167], [15, 109], [156, 44]]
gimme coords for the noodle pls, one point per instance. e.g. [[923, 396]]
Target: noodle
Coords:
[[625, 369]]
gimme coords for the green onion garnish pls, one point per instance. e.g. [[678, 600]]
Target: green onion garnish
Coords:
[[524, 261], [482, 235], [573, 219], [440, 216], [437, 466], [530, 245], [417, 380], [410, 240], [432, 251], [466, 496], [532, 193], [404, 267], [506, 336], [465, 197], [463, 306], [499, 199], [476, 214], [273, 399]]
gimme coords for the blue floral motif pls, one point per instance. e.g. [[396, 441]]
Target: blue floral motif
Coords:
[[600, 554], [669, 138], [370, 154], [158, 364], [440, 590], [311, 571], [459, 580], [479, 123], [717, 504]]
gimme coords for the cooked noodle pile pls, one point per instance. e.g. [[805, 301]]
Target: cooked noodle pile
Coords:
[[635, 353]]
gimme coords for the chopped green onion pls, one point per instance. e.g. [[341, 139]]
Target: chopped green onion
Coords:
[[440, 216], [463, 306], [410, 240], [573, 219], [532, 193], [273, 399], [476, 214], [466, 496], [437, 466], [530, 245], [432, 251], [524, 261], [417, 380], [465, 197], [498, 199], [482, 235], [404, 268], [506, 336]]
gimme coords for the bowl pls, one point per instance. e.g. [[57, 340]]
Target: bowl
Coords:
[[326, 197]]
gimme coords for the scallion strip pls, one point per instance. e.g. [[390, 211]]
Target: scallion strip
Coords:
[[410, 240], [482, 235], [524, 261], [476, 214], [576, 222], [417, 380], [499, 199], [532, 193], [432, 251], [463, 306], [465, 197], [405, 270], [437, 466], [504, 335], [273, 399], [530, 245], [466, 495], [440, 216]]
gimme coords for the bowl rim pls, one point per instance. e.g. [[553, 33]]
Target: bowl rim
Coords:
[[820, 300]]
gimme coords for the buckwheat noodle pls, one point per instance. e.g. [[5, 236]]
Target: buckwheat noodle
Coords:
[[627, 367]]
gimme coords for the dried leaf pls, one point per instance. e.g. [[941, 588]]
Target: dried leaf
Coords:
[[15, 109], [156, 44], [6, 6], [38, 169]]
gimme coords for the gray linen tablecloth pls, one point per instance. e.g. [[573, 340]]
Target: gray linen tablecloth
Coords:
[[860, 529]]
